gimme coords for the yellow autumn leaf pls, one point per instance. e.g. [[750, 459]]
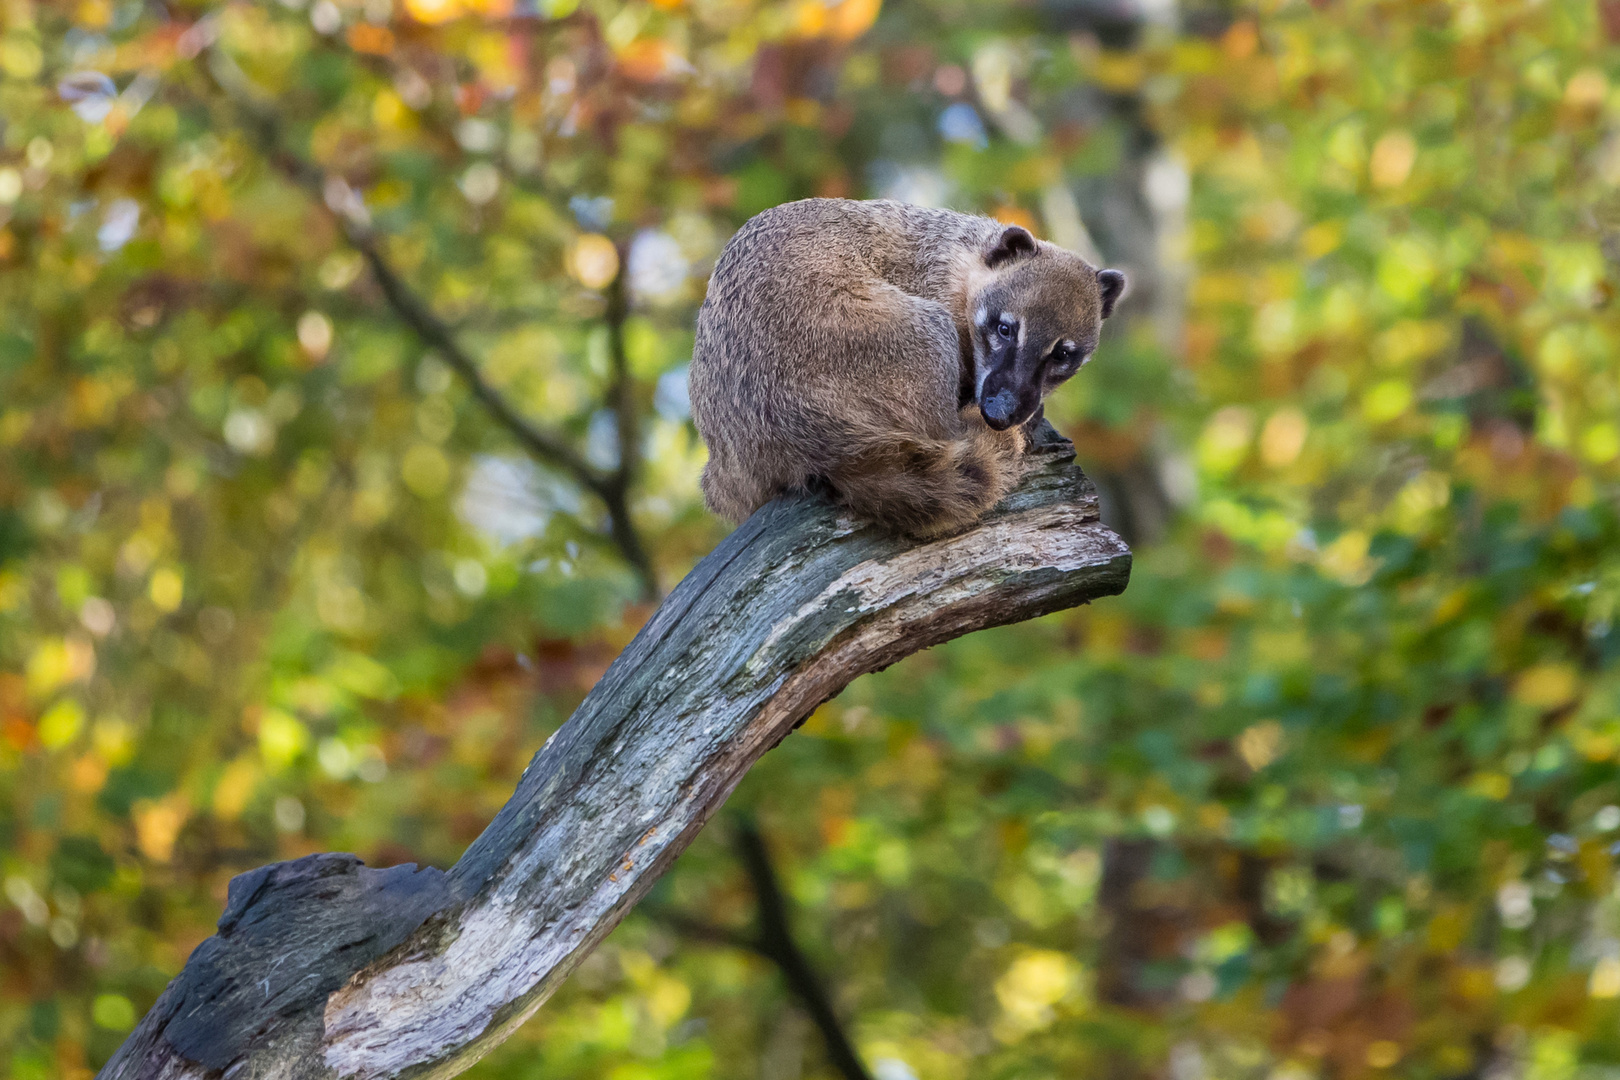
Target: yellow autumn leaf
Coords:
[[1546, 686]]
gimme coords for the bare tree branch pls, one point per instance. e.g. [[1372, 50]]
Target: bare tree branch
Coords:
[[776, 941], [626, 422], [414, 313], [698, 930], [621, 391], [324, 968], [611, 487]]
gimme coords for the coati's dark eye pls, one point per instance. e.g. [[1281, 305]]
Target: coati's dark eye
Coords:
[[1065, 353], [1006, 328]]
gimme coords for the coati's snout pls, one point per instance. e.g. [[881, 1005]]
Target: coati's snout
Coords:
[[1009, 393], [1036, 322]]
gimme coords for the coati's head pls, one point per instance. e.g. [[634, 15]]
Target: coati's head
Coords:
[[1035, 321]]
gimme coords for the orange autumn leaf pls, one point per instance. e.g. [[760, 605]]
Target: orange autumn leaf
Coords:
[[370, 38]]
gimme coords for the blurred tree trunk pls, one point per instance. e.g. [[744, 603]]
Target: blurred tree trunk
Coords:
[[1134, 218]]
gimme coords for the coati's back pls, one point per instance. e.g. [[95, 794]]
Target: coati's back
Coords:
[[834, 353]]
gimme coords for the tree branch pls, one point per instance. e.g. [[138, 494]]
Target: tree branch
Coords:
[[698, 930], [325, 968], [776, 941], [414, 313], [621, 391], [612, 488], [626, 423]]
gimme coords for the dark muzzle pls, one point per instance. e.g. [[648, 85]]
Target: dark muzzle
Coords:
[[999, 408]]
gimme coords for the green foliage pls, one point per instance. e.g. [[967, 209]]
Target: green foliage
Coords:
[[1330, 791]]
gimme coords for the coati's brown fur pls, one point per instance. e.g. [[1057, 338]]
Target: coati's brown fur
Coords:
[[863, 349]]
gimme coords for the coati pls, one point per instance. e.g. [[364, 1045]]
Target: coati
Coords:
[[886, 355]]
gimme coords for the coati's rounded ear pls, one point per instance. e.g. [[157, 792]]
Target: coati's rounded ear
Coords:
[[1014, 241], [1113, 283]]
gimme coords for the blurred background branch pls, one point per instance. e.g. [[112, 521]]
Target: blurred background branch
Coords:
[[611, 486], [773, 939], [776, 943]]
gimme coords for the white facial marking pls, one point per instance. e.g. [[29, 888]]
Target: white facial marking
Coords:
[[981, 317], [981, 372]]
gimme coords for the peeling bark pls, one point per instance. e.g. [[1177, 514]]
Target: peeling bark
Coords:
[[325, 968]]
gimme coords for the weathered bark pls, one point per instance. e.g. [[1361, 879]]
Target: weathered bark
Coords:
[[323, 967]]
